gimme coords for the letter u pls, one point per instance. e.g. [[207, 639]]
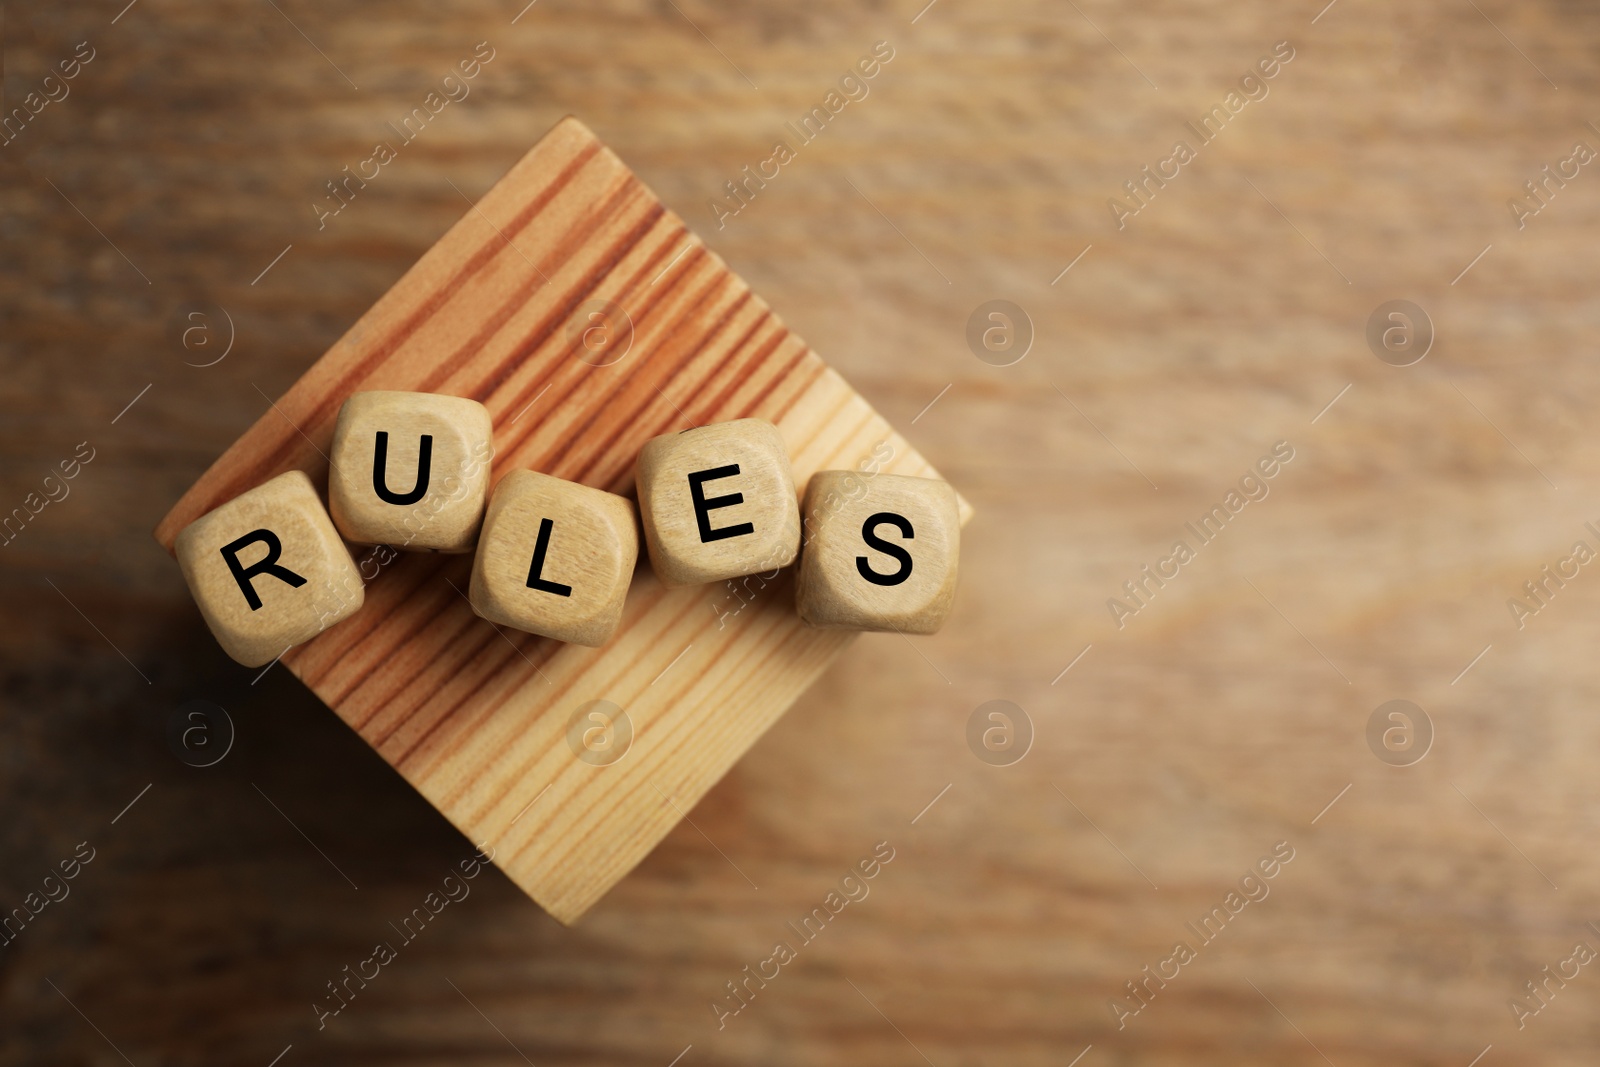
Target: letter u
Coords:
[[380, 463]]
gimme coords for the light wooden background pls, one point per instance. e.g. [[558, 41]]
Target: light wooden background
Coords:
[[1222, 719]]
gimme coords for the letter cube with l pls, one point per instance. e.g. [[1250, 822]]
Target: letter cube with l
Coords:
[[718, 502], [269, 570], [881, 552], [410, 470], [555, 558]]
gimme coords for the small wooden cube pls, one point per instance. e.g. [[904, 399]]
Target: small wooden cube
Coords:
[[881, 552], [269, 570], [410, 470], [718, 502], [555, 558]]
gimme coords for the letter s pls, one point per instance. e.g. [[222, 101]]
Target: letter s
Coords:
[[870, 536]]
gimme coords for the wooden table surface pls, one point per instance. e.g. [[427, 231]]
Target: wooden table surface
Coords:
[[170, 200]]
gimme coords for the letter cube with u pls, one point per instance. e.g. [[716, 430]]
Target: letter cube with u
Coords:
[[410, 470], [881, 552], [718, 502], [555, 558], [269, 570]]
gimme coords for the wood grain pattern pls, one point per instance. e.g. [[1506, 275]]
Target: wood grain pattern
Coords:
[[476, 718]]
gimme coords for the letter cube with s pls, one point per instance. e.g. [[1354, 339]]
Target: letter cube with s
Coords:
[[269, 570], [410, 470], [555, 558], [881, 552], [718, 502]]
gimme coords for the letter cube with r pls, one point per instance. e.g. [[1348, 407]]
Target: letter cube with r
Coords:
[[268, 569]]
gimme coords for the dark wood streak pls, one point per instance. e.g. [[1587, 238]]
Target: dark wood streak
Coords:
[[290, 446]]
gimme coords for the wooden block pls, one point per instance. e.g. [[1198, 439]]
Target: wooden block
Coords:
[[268, 569], [881, 553], [555, 558], [500, 311], [718, 502], [410, 470]]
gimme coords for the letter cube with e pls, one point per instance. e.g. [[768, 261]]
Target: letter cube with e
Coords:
[[718, 502], [269, 570], [881, 553], [410, 470], [555, 558]]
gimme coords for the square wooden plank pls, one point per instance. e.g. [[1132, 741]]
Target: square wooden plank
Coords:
[[475, 718]]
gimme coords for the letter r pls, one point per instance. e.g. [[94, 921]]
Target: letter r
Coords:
[[267, 564]]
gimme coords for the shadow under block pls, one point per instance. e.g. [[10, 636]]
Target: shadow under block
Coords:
[[268, 569], [410, 470], [555, 558], [499, 311], [883, 553], [718, 502]]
